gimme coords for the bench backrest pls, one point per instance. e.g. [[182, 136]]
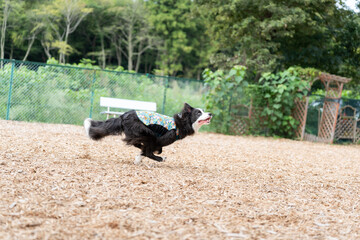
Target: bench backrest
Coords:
[[127, 104]]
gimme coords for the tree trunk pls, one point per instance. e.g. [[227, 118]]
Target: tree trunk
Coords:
[[198, 75], [29, 47], [118, 52], [3, 28], [118, 56], [139, 57], [62, 51], [46, 49], [130, 51], [103, 56], [11, 51]]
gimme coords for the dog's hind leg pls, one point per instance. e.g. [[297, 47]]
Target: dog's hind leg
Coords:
[[139, 145], [158, 150]]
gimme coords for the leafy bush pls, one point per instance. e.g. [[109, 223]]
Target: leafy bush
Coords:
[[277, 94], [225, 88], [273, 98]]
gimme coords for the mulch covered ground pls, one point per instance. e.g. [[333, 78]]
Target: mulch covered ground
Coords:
[[57, 184]]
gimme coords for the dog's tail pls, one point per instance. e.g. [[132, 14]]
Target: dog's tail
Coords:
[[96, 130]]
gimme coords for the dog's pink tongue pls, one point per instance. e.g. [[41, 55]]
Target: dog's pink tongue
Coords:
[[206, 121]]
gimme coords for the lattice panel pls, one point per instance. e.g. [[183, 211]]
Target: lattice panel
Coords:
[[357, 135], [333, 93], [313, 138], [328, 121], [310, 137], [334, 78], [256, 114], [333, 85], [357, 139], [240, 125], [345, 128], [300, 113]]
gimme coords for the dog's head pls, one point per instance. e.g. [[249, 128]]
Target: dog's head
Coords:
[[196, 116]]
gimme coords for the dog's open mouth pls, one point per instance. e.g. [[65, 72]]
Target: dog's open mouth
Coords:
[[205, 122]]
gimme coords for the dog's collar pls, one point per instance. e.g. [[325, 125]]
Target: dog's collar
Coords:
[[177, 134], [177, 130]]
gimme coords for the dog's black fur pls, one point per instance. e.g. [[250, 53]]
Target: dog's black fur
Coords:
[[150, 138]]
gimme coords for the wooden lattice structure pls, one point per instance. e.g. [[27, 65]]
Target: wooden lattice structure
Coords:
[[327, 125], [346, 127], [300, 114], [357, 139], [249, 116], [313, 138], [333, 89], [240, 124]]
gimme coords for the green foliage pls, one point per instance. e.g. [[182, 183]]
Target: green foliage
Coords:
[[185, 42], [224, 89], [273, 35], [62, 94], [183, 37], [273, 98], [276, 96], [352, 94], [258, 29]]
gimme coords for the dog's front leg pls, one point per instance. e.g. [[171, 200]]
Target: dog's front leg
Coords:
[[138, 159], [149, 152], [153, 157], [167, 139]]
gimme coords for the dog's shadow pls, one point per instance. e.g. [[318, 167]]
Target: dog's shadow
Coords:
[[163, 165]]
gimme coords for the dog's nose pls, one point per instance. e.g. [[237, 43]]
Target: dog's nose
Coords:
[[210, 114]]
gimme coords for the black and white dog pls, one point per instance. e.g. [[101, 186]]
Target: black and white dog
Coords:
[[150, 131]]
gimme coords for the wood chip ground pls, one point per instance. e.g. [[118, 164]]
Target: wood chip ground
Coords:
[[57, 184]]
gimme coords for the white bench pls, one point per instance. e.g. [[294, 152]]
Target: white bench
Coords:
[[124, 104]]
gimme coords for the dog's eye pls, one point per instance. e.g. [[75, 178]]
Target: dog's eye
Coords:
[[199, 113]]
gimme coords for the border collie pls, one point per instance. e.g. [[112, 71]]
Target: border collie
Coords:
[[150, 131]]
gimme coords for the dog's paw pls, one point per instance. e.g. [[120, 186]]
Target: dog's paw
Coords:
[[138, 159], [164, 158]]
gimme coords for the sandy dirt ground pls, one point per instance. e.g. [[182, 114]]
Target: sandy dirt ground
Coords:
[[57, 184]]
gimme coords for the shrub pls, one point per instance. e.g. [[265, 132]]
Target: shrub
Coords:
[[224, 89]]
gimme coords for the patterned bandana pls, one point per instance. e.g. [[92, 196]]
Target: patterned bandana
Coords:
[[155, 118]]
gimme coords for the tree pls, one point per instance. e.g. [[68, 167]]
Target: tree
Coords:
[[25, 28], [102, 19], [257, 31], [184, 36], [346, 54], [5, 12], [134, 33], [335, 49], [62, 17]]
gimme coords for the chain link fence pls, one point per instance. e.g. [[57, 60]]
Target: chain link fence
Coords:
[[37, 92]]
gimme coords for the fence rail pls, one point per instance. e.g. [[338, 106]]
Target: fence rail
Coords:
[[39, 92]]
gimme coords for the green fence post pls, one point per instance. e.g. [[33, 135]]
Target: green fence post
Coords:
[[10, 89], [164, 99], [92, 94]]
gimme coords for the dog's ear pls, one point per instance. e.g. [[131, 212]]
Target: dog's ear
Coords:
[[187, 108]]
